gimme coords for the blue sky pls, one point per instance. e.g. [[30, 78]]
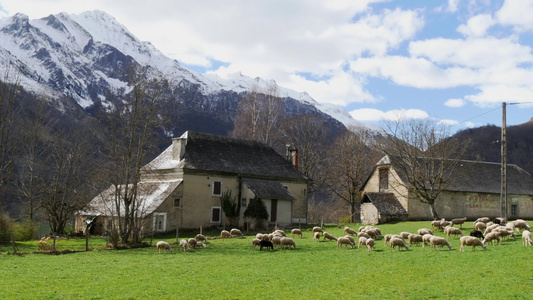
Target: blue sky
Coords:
[[454, 61]]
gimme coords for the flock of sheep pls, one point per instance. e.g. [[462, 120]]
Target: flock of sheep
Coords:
[[485, 232]]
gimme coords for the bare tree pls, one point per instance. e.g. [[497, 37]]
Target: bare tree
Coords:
[[259, 115], [423, 152], [9, 112], [350, 164], [129, 126]]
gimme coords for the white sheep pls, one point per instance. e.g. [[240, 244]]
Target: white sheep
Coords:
[[200, 237], [398, 242], [225, 234], [373, 233], [259, 236], [452, 230], [363, 234], [404, 234], [505, 233], [490, 228], [480, 226], [329, 236], [458, 221], [423, 231], [344, 241], [526, 238], [521, 224], [200, 245], [425, 239], [316, 236], [256, 242], [389, 236], [192, 242], [296, 231], [276, 241], [280, 232], [370, 244], [362, 241], [184, 245], [471, 241], [483, 220], [317, 229], [287, 242], [162, 245], [348, 230], [491, 237], [235, 232], [439, 241], [414, 239], [352, 240]]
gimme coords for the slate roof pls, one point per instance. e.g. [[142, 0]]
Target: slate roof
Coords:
[[483, 177], [268, 189], [150, 194], [215, 153], [386, 203]]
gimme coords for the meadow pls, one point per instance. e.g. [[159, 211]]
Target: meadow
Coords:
[[231, 269]]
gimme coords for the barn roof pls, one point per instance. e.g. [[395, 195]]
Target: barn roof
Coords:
[[481, 177], [207, 152], [386, 203], [268, 189], [149, 194]]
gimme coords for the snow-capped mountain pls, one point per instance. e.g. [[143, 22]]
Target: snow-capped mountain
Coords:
[[79, 56]]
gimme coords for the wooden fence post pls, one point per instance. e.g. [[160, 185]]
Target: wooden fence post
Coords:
[[87, 239], [13, 243], [177, 234]]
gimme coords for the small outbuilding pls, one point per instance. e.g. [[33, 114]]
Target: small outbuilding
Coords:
[[377, 208]]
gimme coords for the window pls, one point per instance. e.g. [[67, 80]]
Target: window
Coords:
[[383, 180], [243, 201], [160, 222], [177, 202], [215, 214], [217, 188], [514, 209]]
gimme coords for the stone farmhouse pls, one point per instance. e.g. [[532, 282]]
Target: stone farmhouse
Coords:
[[182, 187], [476, 193]]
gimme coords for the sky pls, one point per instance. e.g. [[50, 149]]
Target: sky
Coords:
[[453, 61]]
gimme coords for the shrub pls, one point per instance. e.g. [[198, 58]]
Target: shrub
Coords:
[[231, 207], [257, 211], [25, 231], [6, 224]]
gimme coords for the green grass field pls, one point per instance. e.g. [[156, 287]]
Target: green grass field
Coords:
[[230, 269]]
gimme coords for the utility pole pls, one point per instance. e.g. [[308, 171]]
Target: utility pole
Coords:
[[503, 195]]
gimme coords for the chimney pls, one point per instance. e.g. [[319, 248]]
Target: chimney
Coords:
[[178, 147], [292, 155]]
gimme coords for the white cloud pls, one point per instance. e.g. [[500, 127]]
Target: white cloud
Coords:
[[452, 5], [455, 103], [370, 114], [517, 13], [448, 122], [476, 26]]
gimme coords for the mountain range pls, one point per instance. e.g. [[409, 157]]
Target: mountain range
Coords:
[[78, 58]]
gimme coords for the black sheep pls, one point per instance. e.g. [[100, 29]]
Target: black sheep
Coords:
[[478, 234], [267, 244]]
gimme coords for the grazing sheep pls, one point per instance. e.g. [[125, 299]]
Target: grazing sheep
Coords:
[[404, 235], [500, 221], [370, 244], [296, 232], [192, 242], [459, 221], [267, 244], [344, 241], [452, 230], [363, 234], [362, 241], [439, 241], [398, 242], [256, 242], [348, 230], [471, 241], [414, 239], [505, 233], [329, 236], [373, 233], [425, 239], [225, 234], [200, 237], [287, 242], [480, 226], [423, 231], [490, 228], [235, 232], [200, 245], [184, 244], [350, 238], [277, 241], [521, 224], [526, 238], [317, 229], [316, 236], [43, 244], [389, 236], [483, 220], [259, 236], [491, 237], [478, 234], [444, 223], [162, 245], [280, 232], [436, 225], [267, 237]]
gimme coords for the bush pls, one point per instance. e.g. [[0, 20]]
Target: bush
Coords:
[[25, 231], [6, 224], [257, 211]]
